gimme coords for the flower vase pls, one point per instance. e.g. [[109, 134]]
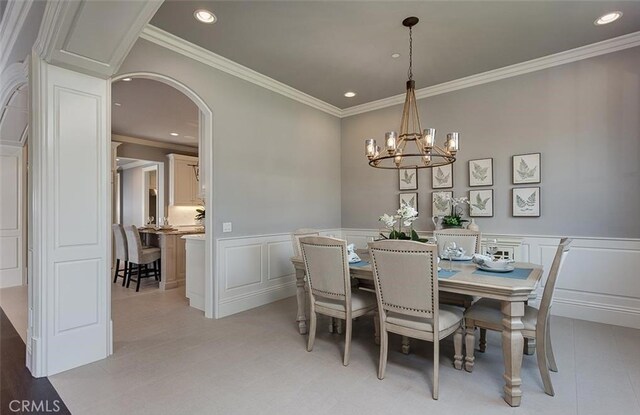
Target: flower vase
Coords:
[[473, 226]]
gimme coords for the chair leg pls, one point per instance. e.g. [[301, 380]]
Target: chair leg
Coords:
[[140, 270], [384, 348], [543, 367], [457, 347], [131, 266], [406, 345], [550, 357], [338, 325], [126, 273], [483, 340], [115, 273], [436, 367], [312, 330], [470, 344], [347, 340], [331, 324]]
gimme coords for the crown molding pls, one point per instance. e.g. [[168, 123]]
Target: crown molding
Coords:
[[188, 49], [202, 55], [151, 143], [572, 55], [13, 19]]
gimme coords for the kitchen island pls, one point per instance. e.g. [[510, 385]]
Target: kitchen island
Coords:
[[172, 252]]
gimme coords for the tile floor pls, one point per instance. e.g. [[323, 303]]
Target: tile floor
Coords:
[[169, 359]]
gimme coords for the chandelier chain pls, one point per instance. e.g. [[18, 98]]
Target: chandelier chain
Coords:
[[411, 53]]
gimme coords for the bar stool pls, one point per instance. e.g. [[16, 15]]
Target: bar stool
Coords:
[[121, 253], [140, 258]]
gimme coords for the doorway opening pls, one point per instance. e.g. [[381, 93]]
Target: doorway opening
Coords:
[[161, 131]]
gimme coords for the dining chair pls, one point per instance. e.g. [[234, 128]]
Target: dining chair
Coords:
[[140, 258], [487, 314], [464, 238], [406, 283], [301, 233], [470, 242], [329, 286], [121, 253]]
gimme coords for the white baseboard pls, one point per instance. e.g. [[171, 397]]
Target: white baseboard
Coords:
[[234, 305]]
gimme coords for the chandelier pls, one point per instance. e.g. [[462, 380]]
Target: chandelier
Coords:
[[427, 154]]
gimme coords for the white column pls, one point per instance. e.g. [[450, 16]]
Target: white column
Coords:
[[70, 219]]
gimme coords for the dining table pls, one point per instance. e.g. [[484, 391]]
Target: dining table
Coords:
[[512, 289]]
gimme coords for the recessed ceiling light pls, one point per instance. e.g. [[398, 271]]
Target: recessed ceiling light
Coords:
[[117, 159], [127, 79], [174, 134], [395, 55], [350, 94], [608, 18], [205, 16], [117, 104]]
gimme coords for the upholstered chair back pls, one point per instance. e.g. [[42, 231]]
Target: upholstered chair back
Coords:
[[327, 266], [464, 238], [120, 240]]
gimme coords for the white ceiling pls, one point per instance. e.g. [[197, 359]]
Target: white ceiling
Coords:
[[326, 48], [152, 110]]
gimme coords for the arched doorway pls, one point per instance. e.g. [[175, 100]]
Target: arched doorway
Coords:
[[206, 171]]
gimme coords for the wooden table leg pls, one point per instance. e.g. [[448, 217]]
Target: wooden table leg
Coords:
[[529, 346], [302, 298], [512, 348]]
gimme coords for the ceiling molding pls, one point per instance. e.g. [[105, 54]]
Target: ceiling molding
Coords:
[[150, 143], [202, 55], [14, 17], [572, 55], [205, 56]]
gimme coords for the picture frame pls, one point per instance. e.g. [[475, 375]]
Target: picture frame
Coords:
[[408, 179], [481, 203], [526, 168], [481, 172], [442, 177], [525, 202], [439, 203], [409, 198]]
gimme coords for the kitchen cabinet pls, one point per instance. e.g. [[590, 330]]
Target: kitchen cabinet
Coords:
[[184, 187]]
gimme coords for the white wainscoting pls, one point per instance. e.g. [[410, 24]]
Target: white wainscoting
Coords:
[[599, 282], [254, 270], [11, 216]]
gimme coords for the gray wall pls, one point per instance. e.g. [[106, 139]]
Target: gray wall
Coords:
[[276, 161], [583, 117]]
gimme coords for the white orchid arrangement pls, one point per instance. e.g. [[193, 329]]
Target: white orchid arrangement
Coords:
[[455, 217], [405, 216]]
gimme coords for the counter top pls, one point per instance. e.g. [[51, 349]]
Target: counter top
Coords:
[[173, 231], [195, 237]]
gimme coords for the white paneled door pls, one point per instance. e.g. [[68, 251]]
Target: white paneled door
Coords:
[[70, 214], [11, 216]]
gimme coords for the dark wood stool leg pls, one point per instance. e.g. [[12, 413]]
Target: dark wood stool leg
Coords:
[[115, 273], [126, 273], [139, 267], [131, 264], [159, 265]]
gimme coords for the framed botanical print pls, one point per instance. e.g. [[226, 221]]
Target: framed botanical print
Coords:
[[408, 179], [481, 203], [526, 168], [481, 172], [442, 177], [526, 201], [440, 203], [410, 199]]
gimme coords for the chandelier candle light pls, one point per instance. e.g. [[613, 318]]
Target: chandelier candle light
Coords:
[[395, 155]]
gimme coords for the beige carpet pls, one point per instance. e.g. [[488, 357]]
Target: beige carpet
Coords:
[[169, 359]]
